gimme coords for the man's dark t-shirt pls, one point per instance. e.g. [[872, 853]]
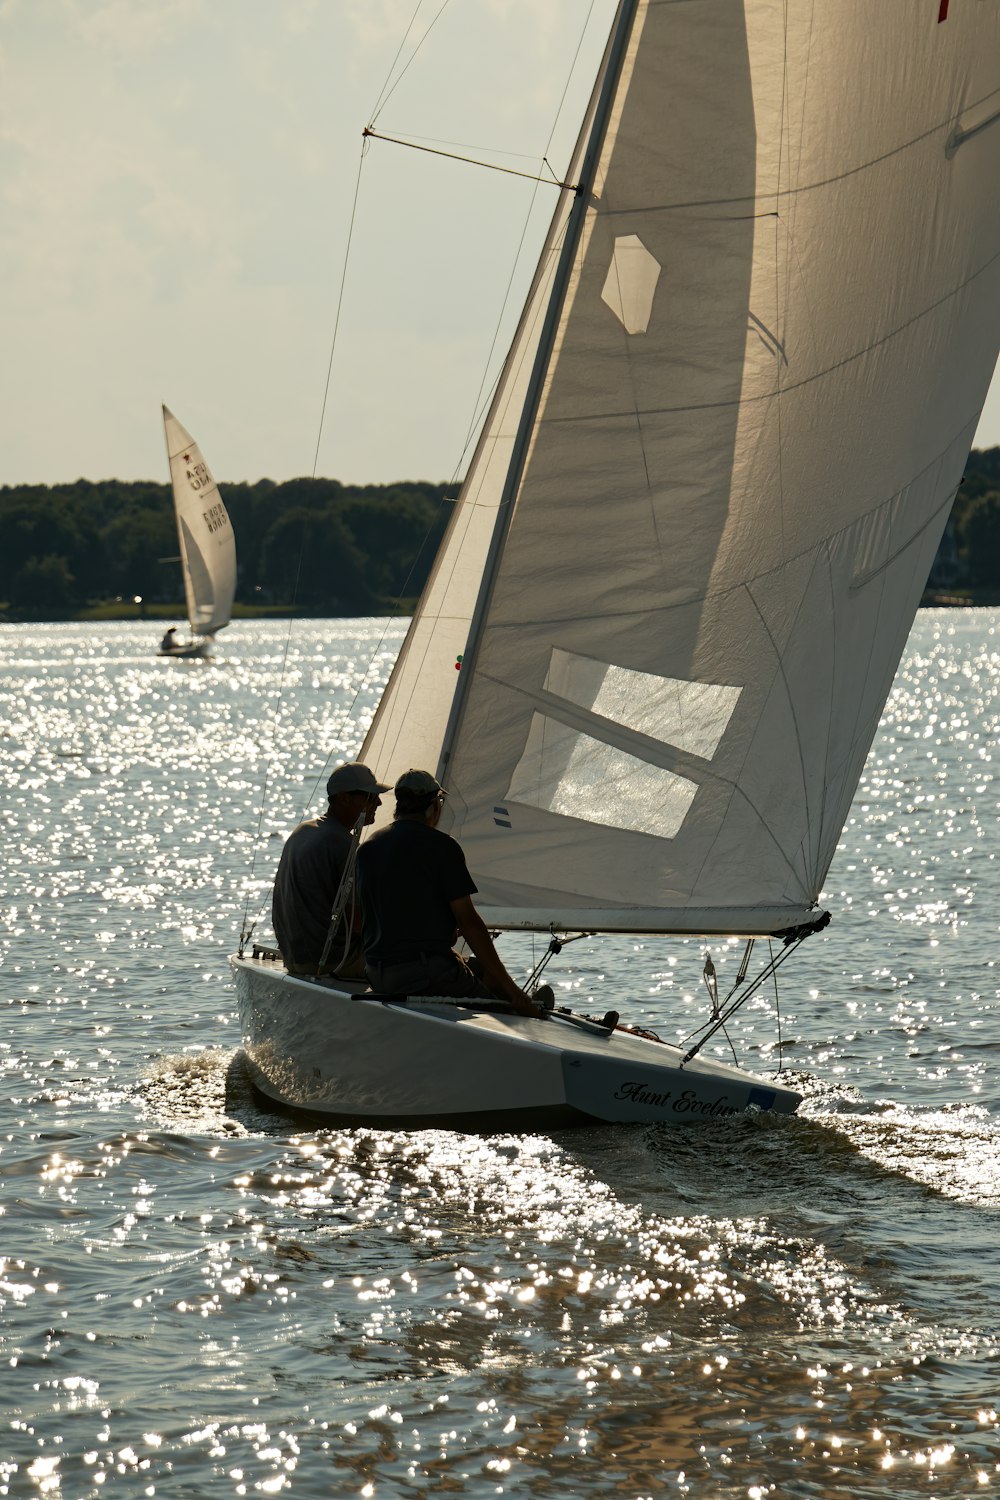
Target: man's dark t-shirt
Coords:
[[409, 874], [305, 888]]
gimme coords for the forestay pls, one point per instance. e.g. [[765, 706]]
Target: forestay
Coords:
[[685, 561], [205, 535]]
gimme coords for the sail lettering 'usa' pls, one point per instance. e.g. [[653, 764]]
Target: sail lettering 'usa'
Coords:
[[198, 477]]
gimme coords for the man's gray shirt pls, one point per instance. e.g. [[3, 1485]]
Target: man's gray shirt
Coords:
[[305, 887]]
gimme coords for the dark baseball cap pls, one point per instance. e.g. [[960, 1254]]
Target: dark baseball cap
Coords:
[[419, 784], [354, 777]]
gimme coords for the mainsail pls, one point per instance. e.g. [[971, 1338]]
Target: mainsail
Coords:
[[207, 545], [695, 532]]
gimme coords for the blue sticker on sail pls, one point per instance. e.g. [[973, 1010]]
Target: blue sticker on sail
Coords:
[[501, 817]]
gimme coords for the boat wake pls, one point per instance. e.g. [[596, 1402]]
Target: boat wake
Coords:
[[954, 1151], [206, 1093]]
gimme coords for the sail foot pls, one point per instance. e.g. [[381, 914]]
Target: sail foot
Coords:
[[787, 923]]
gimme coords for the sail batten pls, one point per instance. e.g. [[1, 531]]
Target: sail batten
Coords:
[[764, 375]]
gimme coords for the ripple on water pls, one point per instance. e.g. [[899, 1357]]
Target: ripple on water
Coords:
[[198, 1297]]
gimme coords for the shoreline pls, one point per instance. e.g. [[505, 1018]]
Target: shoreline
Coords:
[[163, 614], [159, 614]]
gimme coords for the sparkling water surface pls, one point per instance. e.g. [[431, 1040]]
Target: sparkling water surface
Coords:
[[198, 1297]]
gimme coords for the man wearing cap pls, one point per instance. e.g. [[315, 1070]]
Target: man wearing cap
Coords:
[[416, 894], [309, 874]]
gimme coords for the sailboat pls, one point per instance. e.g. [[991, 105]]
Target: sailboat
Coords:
[[207, 544], [691, 542]]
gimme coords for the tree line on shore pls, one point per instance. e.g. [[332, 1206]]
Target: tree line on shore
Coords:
[[968, 559], [315, 546]]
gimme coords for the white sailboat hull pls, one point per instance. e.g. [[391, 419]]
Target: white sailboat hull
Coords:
[[189, 650], [359, 1059]]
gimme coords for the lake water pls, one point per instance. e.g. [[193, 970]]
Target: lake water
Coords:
[[199, 1298]]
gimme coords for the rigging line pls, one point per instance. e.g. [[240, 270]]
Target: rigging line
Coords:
[[729, 1039], [730, 1009], [468, 146], [388, 92], [777, 1005], [245, 930], [731, 1005], [382, 96], [394, 614], [336, 318], [348, 712], [397, 607], [298, 571], [471, 146], [482, 404], [471, 161]]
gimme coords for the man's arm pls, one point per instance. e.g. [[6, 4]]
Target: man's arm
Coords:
[[472, 927]]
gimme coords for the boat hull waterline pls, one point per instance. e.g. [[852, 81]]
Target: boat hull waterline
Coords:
[[314, 1047], [197, 650]]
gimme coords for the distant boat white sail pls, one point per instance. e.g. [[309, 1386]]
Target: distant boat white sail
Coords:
[[692, 540], [205, 536]]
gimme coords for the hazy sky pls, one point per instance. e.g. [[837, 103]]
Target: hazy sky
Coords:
[[177, 180]]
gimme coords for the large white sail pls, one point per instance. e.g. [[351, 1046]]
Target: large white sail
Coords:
[[204, 532], [771, 337]]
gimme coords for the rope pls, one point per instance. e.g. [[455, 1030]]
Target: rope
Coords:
[[388, 92], [777, 1009], [556, 945], [712, 985], [731, 1005], [343, 901], [336, 319], [246, 926], [471, 161]]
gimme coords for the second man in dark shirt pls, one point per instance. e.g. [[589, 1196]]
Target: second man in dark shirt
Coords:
[[416, 894]]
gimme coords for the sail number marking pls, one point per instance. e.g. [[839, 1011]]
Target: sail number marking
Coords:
[[216, 518]]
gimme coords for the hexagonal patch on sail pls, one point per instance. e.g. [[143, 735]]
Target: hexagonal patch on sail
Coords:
[[631, 282]]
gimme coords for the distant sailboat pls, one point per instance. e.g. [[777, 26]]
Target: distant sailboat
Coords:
[[691, 543], [207, 545]]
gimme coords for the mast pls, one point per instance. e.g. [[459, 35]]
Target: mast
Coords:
[[621, 31]]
